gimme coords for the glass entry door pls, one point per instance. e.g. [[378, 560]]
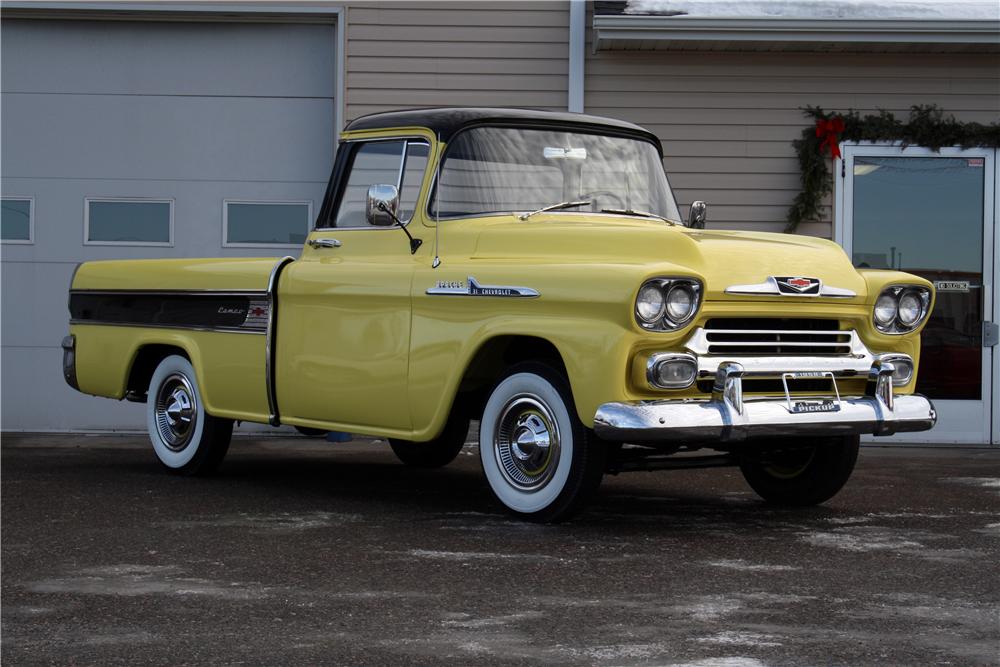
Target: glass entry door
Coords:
[[932, 214]]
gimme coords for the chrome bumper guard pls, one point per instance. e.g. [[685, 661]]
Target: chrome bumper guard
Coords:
[[727, 417], [69, 361]]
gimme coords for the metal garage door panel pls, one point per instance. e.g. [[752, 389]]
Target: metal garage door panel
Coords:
[[97, 136], [197, 113], [163, 58]]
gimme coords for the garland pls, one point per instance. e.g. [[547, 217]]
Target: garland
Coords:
[[927, 127]]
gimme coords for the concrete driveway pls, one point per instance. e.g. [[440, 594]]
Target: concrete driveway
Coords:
[[308, 552]]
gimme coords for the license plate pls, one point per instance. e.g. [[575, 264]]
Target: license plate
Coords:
[[815, 406]]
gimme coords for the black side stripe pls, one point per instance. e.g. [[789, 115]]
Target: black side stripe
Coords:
[[231, 311]]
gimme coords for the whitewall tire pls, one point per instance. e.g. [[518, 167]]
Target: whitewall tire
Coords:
[[539, 460], [186, 439]]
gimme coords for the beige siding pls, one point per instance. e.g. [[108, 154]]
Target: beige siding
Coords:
[[727, 120], [408, 54]]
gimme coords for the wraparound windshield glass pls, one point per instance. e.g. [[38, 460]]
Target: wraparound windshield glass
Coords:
[[502, 169]]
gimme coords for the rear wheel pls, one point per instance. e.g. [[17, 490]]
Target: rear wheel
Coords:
[[438, 452], [539, 459], [803, 475], [186, 439]]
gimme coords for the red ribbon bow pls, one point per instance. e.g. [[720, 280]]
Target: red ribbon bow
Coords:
[[828, 131]]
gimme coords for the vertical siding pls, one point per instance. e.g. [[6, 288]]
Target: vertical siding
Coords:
[[727, 120], [409, 54]]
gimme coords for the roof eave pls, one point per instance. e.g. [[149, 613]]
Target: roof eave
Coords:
[[679, 29]]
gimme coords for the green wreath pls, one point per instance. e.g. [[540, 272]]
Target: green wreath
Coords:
[[927, 127]]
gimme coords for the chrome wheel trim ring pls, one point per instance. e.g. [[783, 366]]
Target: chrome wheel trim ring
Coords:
[[526, 443], [176, 412]]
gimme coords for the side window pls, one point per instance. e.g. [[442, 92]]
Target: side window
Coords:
[[399, 163], [413, 178]]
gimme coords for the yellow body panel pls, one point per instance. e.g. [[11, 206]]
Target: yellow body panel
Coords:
[[230, 366], [362, 347], [248, 273]]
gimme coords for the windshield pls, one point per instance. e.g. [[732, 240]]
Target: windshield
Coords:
[[503, 169]]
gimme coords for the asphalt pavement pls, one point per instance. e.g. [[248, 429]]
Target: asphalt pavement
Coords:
[[306, 552]]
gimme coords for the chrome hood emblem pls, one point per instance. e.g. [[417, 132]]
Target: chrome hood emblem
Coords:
[[791, 286], [797, 285]]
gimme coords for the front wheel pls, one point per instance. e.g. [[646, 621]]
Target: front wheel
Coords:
[[539, 459], [187, 440], [800, 476]]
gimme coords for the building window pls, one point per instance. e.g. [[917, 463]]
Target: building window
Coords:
[[17, 220], [128, 222], [265, 223]]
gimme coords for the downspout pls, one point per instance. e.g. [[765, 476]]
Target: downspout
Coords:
[[577, 44]]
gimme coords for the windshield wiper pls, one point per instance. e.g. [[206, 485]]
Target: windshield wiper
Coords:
[[644, 214], [554, 207]]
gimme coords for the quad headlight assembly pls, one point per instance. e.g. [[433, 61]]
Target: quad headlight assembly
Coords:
[[900, 309], [667, 304]]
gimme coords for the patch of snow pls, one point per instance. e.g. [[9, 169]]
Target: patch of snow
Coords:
[[722, 662], [738, 638], [492, 621], [985, 10], [142, 580], [982, 482], [846, 520], [744, 566], [908, 515], [279, 522], [477, 555], [627, 651], [710, 608], [989, 529], [878, 540]]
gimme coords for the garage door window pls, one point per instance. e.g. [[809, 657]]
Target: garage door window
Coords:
[[258, 223], [17, 220], [129, 222]]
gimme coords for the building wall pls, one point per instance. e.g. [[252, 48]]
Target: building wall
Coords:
[[727, 120], [405, 54]]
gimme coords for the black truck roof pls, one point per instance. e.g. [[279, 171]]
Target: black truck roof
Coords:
[[447, 121]]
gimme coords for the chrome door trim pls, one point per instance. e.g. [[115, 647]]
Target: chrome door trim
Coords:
[[273, 417]]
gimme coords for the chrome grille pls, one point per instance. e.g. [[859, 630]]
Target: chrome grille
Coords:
[[773, 336]]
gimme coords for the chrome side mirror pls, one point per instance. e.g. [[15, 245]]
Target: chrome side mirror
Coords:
[[696, 216], [382, 207]]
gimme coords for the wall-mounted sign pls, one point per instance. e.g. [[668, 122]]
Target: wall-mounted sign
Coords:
[[951, 285]]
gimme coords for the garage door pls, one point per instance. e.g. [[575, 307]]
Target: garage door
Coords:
[[146, 139]]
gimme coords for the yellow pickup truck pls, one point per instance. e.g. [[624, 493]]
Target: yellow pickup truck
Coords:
[[531, 271]]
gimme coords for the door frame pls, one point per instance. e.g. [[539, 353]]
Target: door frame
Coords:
[[843, 235]]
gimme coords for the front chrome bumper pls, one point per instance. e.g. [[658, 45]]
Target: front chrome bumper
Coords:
[[727, 417]]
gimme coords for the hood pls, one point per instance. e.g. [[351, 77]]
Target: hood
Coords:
[[721, 258]]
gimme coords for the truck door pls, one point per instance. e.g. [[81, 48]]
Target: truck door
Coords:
[[343, 330]]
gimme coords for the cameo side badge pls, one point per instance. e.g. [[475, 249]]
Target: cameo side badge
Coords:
[[473, 288]]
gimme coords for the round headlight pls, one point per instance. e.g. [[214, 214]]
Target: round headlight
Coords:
[[649, 305], [885, 309], [910, 308], [680, 303]]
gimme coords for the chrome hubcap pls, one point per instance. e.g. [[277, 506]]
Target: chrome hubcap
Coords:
[[176, 412], [526, 442]]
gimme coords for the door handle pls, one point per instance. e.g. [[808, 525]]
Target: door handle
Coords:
[[324, 243]]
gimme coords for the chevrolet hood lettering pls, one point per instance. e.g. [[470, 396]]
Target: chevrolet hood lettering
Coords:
[[791, 286], [473, 288]]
